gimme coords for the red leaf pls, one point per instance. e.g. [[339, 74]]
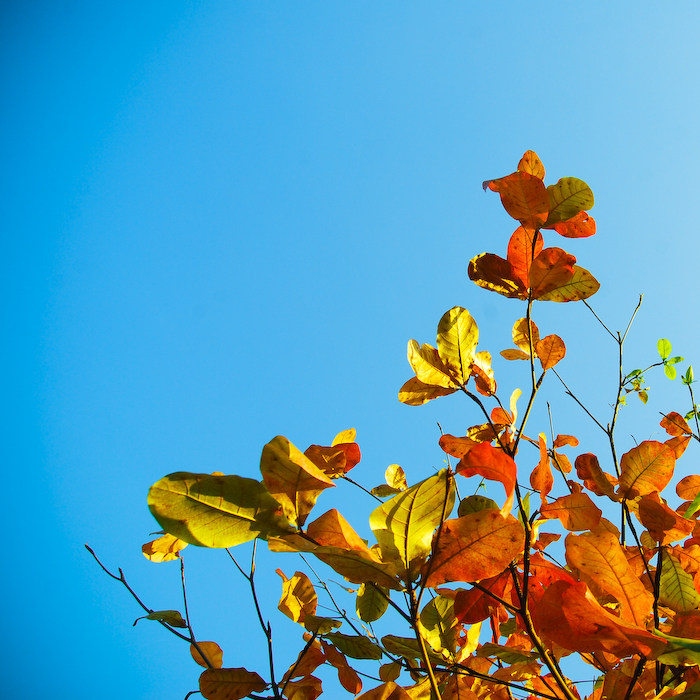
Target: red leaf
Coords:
[[521, 254], [580, 226], [524, 197], [487, 461], [551, 269]]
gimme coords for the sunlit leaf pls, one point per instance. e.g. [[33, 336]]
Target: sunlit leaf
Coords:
[[487, 461], [524, 197], [688, 487], [581, 286], [474, 547], [330, 460], [678, 444], [439, 625], [457, 337], [593, 477], [391, 671], [575, 512], [580, 226], [664, 347], [676, 588], [165, 548], [346, 436], [567, 198], [508, 654], [513, 354], [483, 374], [229, 683], [523, 247], [473, 606], [292, 478], [429, 366], [496, 274], [307, 688], [475, 503], [646, 468], [663, 524], [386, 691], [416, 393], [670, 371], [395, 477], [170, 617], [384, 491], [372, 602], [319, 624], [599, 557], [530, 163], [550, 350], [520, 336], [299, 597], [211, 650], [551, 269], [541, 478], [355, 646], [346, 674], [562, 440], [215, 511], [404, 525]]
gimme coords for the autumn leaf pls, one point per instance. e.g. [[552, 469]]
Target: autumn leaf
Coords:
[[575, 512], [345, 437], [550, 350], [169, 617], [386, 691], [165, 548], [599, 557], [355, 646], [215, 511], [524, 245], [457, 337], [567, 198], [473, 605], [439, 626], [307, 688], [429, 367], [541, 478], [292, 478], [475, 503], [645, 468], [550, 270], [530, 163], [299, 597], [229, 683], [580, 286], [474, 547], [674, 424], [496, 274], [211, 650], [562, 440], [594, 478], [487, 461], [664, 525], [676, 588], [580, 226], [524, 197], [395, 477], [416, 393], [404, 525], [346, 675], [688, 487]]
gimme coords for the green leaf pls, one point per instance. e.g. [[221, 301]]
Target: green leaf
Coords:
[[438, 624], [215, 511], [509, 655], [670, 371], [355, 646], [674, 360], [664, 348], [473, 504], [634, 373], [643, 396], [372, 602], [567, 198], [694, 507], [676, 589], [680, 651], [688, 378], [404, 525], [170, 617]]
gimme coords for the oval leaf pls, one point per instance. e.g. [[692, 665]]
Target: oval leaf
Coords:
[[229, 683], [457, 337], [581, 286], [646, 468], [567, 198]]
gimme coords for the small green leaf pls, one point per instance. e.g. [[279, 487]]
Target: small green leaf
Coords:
[[688, 377], [694, 507], [674, 360], [664, 348], [170, 617], [670, 371], [634, 373]]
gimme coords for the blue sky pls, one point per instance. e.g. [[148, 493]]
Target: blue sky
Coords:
[[224, 220]]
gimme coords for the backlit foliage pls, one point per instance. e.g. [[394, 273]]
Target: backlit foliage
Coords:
[[489, 599]]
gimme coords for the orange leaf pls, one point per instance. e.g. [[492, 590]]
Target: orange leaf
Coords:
[[483, 374], [487, 461], [580, 226], [332, 529], [530, 163], [674, 424], [292, 478], [307, 662], [513, 354], [229, 683], [545, 539], [664, 524], [561, 440], [678, 444], [550, 350], [456, 446], [494, 273], [330, 460], [646, 468], [474, 605], [581, 286], [550, 270], [599, 557], [416, 393], [523, 247], [346, 675], [474, 547], [385, 691], [211, 650], [165, 548], [593, 477], [524, 197], [541, 478], [575, 512], [562, 463], [688, 487]]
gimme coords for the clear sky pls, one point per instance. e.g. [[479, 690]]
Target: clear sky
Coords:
[[223, 220]]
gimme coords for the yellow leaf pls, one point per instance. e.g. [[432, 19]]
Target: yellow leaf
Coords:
[[581, 286], [439, 625], [385, 691], [676, 588], [416, 393], [292, 478], [567, 198], [457, 337], [492, 272], [395, 477], [520, 336], [391, 671], [307, 688], [530, 163], [348, 435], [299, 597], [372, 602], [429, 366], [165, 548], [211, 650], [229, 683], [215, 511]]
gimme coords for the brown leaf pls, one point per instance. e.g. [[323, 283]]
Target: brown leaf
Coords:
[[307, 688], [211, 650], [593, 477], [229, 683], [494, 273], [550, 350]]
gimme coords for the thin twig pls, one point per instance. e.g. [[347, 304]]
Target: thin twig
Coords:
[[187, 616]]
